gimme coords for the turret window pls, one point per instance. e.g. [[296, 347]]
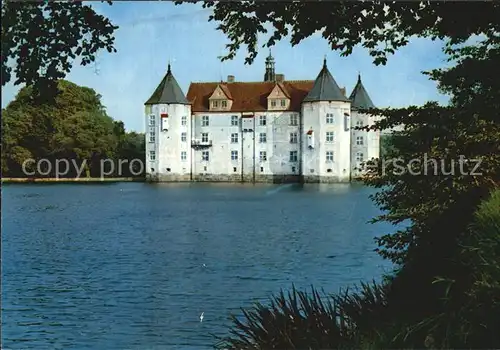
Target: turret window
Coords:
[[330, 119], [330, 136], [183, 137], [359, 140], [152, 155], [359, 124], [183, 156], [234, 138], [329, 156], [184, 121], [234, 155], [359, 156], [152, 120], [204, 137]]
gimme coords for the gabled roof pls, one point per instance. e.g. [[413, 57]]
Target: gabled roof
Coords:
[[283, 89], [226, 91], [248, 96], [168, 92], [325, 88], [359, 97]]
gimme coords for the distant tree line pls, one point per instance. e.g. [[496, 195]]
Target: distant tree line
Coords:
[[75, 127]]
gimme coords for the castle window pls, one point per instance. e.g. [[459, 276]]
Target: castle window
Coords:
[[262, 120], [293, 169], [283, 103], [224, 104], [293, 156], [234, 120], [205, 121], [330, 136], [152, 120], [262, 137], [183, 137], [152, 155], [234, 138], [359, 124], [263, 156], [234, 155], [359, 140], [184, 120], [359, 156], [151, 134], [330, 119], [204, 137], [294, 120], [205, 156], [329, 156], [293, 137], [183, 155]]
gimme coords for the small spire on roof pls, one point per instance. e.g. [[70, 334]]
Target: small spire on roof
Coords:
[[324, 62], [359, 76], [168, 69]]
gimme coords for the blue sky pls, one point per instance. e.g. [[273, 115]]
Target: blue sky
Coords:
[[152, 33]]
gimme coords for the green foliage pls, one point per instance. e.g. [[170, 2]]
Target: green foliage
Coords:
[[298, 320], [44, 39], [74, 126], [381, 27]]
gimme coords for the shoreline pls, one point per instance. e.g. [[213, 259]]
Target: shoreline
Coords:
[[70, 180]]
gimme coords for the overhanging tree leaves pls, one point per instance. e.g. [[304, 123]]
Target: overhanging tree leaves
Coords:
[[43, 39], [380, 27]]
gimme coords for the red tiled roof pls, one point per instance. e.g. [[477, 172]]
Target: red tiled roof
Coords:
[[248, 96], [226, 91]]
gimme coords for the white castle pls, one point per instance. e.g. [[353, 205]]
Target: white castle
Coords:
[[270, 131]]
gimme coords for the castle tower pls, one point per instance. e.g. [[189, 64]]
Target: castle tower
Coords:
[[365, 145], [168, 136], [326, 132], [270, 74]]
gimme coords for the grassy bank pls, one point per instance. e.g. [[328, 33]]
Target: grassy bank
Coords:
[[70, 180]]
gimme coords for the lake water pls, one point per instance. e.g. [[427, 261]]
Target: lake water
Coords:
[[132, 265]]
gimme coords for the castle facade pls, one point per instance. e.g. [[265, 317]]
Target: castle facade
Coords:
[[269, 131]]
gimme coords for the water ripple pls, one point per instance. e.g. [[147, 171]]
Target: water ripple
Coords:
[[88, 267]]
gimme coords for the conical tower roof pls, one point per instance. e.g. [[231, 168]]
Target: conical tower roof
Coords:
[[325, 88], [359, 97], [168, 92]]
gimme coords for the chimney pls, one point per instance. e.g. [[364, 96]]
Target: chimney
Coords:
[[280, 78], [230, 78]]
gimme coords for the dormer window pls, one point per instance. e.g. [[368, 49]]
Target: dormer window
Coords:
[[283, 103], [273, 103], [221, 99]]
